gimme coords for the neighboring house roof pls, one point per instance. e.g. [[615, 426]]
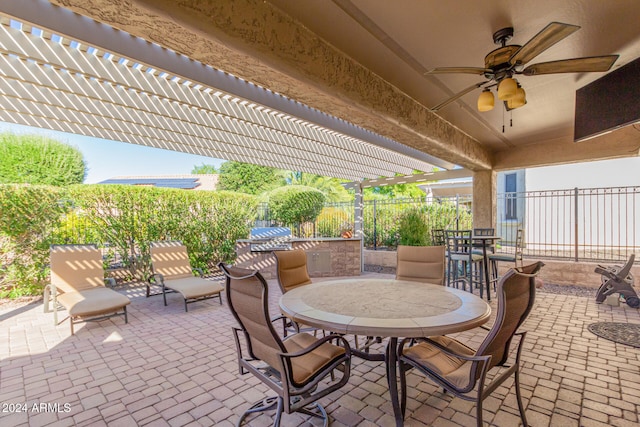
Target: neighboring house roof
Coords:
[[448, 188], [185, 182]]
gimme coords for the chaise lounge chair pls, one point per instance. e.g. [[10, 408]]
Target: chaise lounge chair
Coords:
[[77, 272], [172, 271]]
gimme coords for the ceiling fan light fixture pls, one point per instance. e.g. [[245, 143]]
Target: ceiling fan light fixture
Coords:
[[507, 89], [485, 101], [518, 100]]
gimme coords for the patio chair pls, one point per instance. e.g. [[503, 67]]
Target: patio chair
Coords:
[[421, 264], [77, 272], [464, 264], [462, 370], [300, 369], [514, 257], [172, 271], [437, 237], [291, 269]]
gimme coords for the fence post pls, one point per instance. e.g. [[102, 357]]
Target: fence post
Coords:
[[575, 219], [457, 212], [375, 228]]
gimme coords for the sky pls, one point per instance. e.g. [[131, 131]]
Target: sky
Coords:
[[107, 159]]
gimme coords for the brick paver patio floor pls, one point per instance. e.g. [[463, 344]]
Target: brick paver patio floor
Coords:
[[168, 367]]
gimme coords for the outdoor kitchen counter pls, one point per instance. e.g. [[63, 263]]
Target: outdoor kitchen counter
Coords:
[[326, 257]]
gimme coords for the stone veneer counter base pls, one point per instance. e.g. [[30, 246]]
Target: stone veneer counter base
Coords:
[[329, 257]]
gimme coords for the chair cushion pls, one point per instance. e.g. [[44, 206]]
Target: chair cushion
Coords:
[[452, 369], [193, 287], [306, 367], [503, 257], [465, 257], [92, 302]]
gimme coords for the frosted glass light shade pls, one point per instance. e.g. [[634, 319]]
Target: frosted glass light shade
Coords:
[[485, 101], [507, 89], [518, 100]]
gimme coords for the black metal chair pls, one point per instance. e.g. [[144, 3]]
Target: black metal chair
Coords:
[[514, 257], [464, 265], [300, 369], [461, 370]]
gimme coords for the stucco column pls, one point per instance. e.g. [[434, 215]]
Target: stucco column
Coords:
[[484, 199]]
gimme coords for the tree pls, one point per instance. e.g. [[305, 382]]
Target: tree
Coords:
[[32, 159], [330, 187], [295, 204], [248, 178], [204, 169]]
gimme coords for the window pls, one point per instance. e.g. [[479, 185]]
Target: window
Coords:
[[510, 199]]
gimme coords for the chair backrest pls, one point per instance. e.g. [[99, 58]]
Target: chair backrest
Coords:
[[291, 268], [76, 267], [248, 295], [421, 264], [458, 242], [516, 294], [170, 259], [437, 237], [484, 231], [519, 244]]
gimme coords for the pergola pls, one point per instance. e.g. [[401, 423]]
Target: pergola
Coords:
[[259, 82]]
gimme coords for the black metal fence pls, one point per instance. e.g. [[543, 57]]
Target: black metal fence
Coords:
[[380, 218], [591, 224]]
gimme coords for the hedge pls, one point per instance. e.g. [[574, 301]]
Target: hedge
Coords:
[[122, 219]]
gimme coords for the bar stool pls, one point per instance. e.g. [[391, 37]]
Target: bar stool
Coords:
[[464, 265]]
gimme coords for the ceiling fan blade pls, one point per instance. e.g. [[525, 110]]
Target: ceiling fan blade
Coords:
[[458, 95], [550, 35], [464, 70], [575, 65]]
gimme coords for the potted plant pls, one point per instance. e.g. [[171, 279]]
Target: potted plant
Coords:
[[346, 230]]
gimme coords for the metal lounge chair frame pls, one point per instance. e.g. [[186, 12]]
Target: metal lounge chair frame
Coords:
[[77, 271], [173, 273]]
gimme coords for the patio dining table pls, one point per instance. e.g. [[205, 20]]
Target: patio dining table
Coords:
[[385, 308]]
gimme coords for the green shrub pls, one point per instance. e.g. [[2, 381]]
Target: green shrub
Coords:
[[29, 216], [413, 229], [332, 221], [31, 159], [295, 204]]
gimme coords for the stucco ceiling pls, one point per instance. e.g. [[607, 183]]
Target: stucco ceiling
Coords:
[[399, 41], [363, 61]]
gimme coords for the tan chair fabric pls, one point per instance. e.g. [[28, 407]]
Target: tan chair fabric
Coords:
[[459, 368], [76, 267], [306, 368], [92, 302], [171, 260], [291, 267], [421, 264], [455, 370], [77, 271]]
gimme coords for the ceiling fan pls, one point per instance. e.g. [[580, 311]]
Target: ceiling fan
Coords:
[[503, 63]]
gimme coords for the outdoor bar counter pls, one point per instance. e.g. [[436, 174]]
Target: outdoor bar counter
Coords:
[[326, 257]]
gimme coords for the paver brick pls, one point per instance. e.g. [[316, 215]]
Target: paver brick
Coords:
[[177, 368]]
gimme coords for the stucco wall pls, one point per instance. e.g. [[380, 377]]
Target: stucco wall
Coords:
[[557, 272]]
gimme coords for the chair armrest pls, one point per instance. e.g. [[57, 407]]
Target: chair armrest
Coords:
[[110, 281], [199, 271], [318, 343], [156, 279], [482, 359]]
